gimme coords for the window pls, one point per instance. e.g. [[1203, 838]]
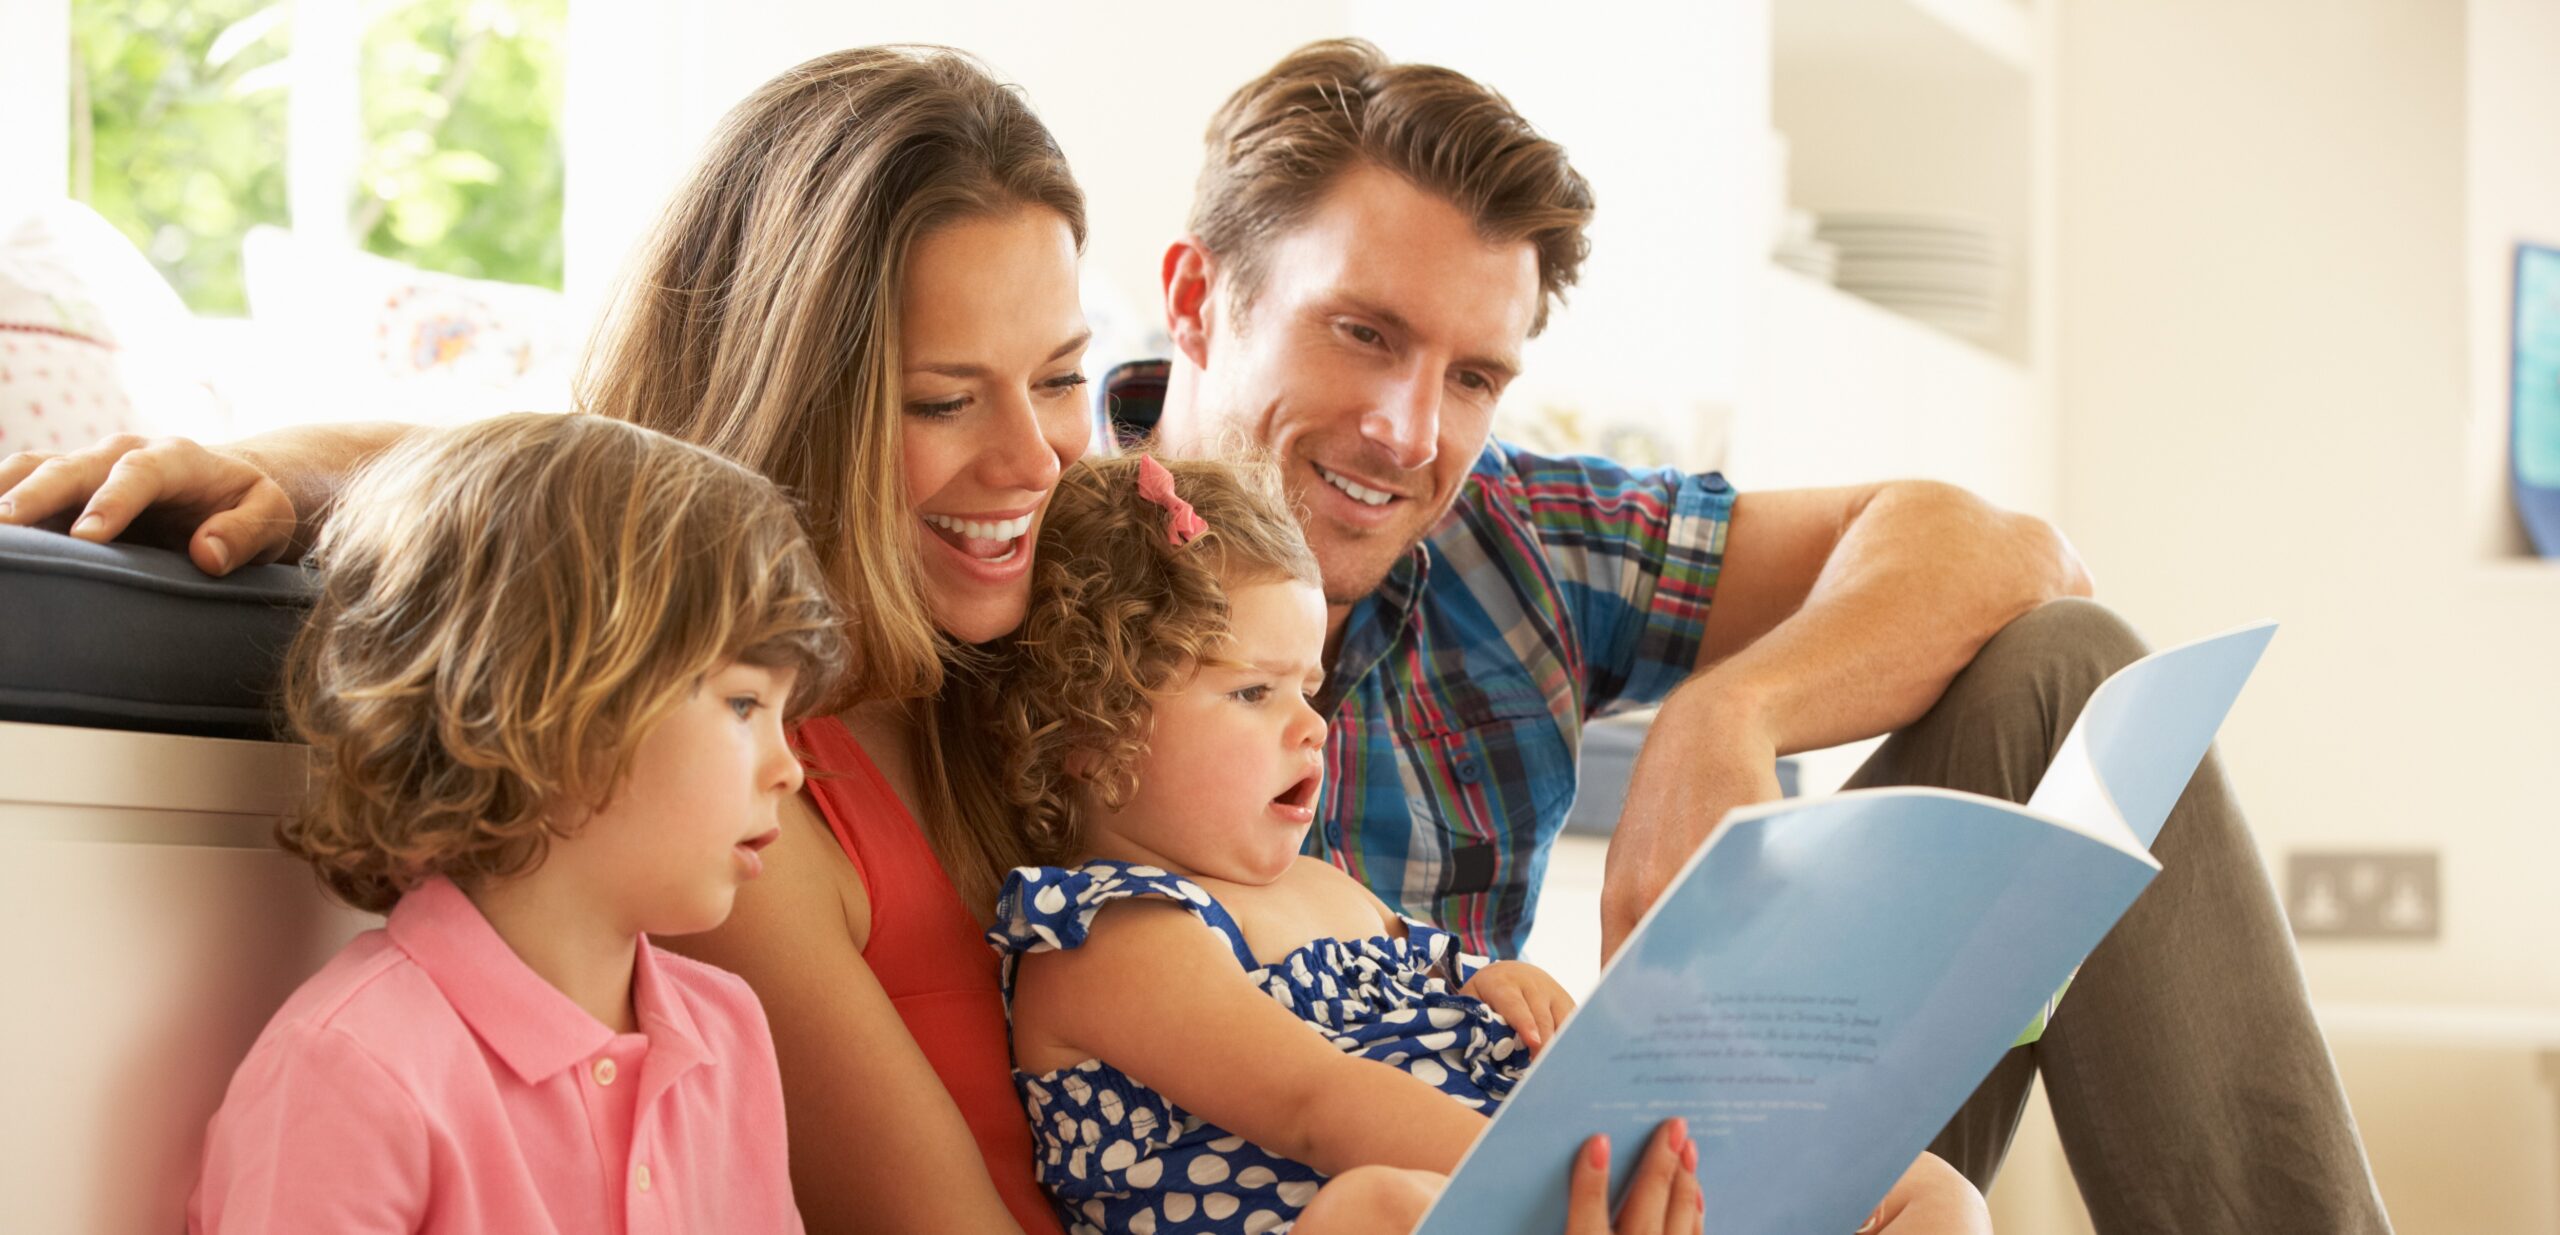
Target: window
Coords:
[[195, 120]]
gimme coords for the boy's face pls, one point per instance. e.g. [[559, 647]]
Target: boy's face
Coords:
[[666, 854], [1235, 759]]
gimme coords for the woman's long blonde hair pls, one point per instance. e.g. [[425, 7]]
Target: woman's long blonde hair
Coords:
[[762, 321]]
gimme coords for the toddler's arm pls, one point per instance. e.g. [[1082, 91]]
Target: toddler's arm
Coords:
[[1931, 1198], [313, 1136], [1158, 995]]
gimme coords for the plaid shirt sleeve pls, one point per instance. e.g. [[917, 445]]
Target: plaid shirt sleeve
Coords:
[[1635, 554]]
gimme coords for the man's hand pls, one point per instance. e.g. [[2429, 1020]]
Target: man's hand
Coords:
[[1525, 997], [1712, 758], [221, 508]]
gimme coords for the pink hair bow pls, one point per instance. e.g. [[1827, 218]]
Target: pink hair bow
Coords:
[[1156, 485]]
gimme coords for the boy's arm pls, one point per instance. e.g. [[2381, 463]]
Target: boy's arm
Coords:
[[255, 501], [314, 1136], [1158, 995]]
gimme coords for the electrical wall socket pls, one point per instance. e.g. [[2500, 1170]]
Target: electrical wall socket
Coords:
[[2333, 894]]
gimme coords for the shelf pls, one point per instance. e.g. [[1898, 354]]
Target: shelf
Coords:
[[2444, 1025], [1917, 105]]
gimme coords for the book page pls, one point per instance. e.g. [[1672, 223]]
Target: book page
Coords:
[[1829, 979]]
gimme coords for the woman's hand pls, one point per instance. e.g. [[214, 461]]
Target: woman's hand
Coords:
[[1662, 1196], [222, 509], [245, 504], [1525, 997]]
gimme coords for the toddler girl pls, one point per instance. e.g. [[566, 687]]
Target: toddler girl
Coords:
[[1207, 1024], [545, 688]]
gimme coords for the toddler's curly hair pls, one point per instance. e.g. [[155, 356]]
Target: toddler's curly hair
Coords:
[[1120, 616], [506, 609]]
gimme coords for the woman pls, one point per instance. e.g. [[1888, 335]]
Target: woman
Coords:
[[867, 291]]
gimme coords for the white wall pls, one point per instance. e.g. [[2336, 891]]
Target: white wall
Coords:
[[35, 100], [1128, 91], [2273, 331], [1666, 113], [1665, 110]]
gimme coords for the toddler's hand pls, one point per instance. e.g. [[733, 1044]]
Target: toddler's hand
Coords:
[[1525, 997]]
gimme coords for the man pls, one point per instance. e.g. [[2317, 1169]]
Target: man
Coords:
[[1371, 246]]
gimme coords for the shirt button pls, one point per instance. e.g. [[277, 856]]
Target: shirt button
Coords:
[[1470, 771], [640, 1177], [604, 1071]]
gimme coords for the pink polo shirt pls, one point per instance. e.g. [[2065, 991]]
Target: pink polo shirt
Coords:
[[426, 1080]]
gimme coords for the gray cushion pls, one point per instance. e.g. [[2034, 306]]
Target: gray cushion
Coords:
[[127, 637]]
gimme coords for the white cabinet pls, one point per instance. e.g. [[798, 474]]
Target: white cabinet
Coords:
[[148, 929]]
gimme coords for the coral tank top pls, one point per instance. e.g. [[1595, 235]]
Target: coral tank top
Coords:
[[931, 956]]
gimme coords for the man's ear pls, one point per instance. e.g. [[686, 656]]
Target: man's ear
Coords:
[[1190, 274]]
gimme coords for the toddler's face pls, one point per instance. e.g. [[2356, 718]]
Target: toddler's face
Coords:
[[666, 855], [1228, 786]]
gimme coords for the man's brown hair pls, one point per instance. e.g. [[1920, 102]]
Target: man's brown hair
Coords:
[[507, 608], [1282, 140]]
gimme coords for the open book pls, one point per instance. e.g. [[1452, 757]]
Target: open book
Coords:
[[1829, 979]]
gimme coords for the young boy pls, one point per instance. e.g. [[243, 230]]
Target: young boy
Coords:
[[545, 688]]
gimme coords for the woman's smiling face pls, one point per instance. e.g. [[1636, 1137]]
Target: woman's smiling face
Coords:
[[993, 399]]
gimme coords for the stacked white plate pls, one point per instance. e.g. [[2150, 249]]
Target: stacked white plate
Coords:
[[1799, 251], [1942, 269]]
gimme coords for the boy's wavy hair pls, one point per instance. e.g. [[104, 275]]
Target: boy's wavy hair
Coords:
[[1120, 616], [507, 608]]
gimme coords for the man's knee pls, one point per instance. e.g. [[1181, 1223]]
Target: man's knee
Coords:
[[1995, 728], [2065, 647]]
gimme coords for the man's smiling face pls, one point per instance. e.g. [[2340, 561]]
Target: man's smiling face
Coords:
[[1368, 362]]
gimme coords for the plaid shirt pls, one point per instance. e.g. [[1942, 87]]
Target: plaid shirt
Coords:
[[1555, 591]]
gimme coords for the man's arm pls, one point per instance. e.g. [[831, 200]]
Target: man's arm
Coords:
[[1840, 614], [252, 502]]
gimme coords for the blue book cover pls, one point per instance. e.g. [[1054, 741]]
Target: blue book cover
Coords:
[[1829, 979]]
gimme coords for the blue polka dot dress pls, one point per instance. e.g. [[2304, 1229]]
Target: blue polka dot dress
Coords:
[[1119, 1158]]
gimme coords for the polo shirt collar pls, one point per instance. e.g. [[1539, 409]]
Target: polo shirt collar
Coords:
[[526, 1021]]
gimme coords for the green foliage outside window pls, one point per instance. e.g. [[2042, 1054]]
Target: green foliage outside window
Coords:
[[462, 167], [177, 131], [179, 134]]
